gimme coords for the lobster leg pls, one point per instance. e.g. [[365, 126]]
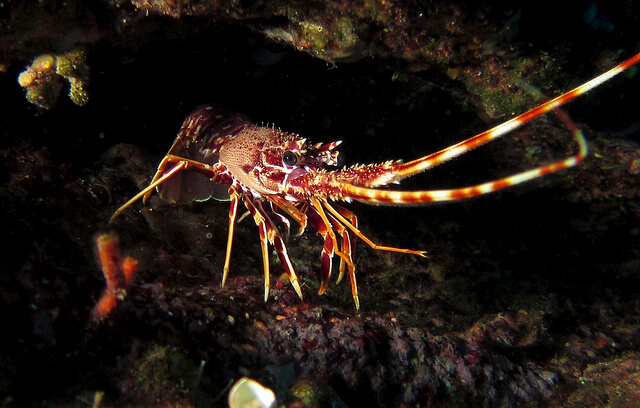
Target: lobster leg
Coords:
[[328, 249], [210, 171], [270, 234], [368, 241], [275, 238], [346, 260], [283, 255], [327, 253], [157, 181], [347, 248], [284, 220], [159, 173], [348, 238], [344, 253], [261, 222], [233, 213], [161, 176], [293, 212]]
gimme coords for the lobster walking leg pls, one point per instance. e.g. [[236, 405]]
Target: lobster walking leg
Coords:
[[210, 171], [233, 214], [328, 249], [270, 234], [348, 237], [284, 220], [293, 211], [261, 222], [345, 251], [148, 189], [275, 238], [346, 260], [327, 253], [366, 239]]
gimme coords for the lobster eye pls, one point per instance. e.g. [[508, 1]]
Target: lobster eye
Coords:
[[289, 158]]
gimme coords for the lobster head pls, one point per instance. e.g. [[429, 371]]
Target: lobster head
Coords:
[[266, 161]]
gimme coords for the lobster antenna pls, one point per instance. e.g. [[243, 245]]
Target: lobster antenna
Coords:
[[429, 161], [394, 197]]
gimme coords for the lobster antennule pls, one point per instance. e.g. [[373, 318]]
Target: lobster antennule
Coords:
[[402, 170]]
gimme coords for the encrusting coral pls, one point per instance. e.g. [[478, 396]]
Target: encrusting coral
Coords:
[[43, 78]]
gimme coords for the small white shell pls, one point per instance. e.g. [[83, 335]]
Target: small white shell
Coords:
[[248, 393]]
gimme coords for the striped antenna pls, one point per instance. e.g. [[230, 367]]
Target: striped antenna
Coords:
[[403, 170]]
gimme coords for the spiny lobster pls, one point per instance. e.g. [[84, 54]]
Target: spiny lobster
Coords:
[[278, 175]]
